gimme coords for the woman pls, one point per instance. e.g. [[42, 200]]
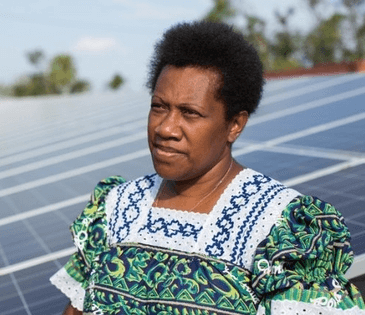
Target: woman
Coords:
[[206, 235]]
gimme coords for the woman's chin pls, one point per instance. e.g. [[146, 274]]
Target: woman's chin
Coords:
[[167, 173], [170, 172]]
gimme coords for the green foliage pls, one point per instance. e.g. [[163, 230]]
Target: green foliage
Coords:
[[5, 90], [61, 78], [116, 82], [353, 3], [357, 26], [255, 34], [35, 57], [62, 72], [288, 48], [284, 64], [80, 86], [221, 11], [325, 42], [36, 85], [284, 46]]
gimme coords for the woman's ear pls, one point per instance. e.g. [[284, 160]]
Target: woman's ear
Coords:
[[237, 124]]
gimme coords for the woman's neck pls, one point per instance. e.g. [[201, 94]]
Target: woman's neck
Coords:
[[198, 195]]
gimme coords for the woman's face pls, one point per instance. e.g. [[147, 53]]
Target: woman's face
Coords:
[[187, 131]]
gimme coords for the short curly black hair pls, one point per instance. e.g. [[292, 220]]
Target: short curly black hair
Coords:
[[219, 47]]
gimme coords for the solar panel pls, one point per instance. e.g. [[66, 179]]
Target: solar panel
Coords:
[[308, 133]]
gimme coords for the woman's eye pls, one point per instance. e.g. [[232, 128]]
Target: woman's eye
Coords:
[[155, 106], [190, 112]]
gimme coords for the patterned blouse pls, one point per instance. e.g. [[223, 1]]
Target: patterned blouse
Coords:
[[263, 249]]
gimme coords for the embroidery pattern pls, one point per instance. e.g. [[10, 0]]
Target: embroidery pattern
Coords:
[[154, 280], [126, 215], [171, 227], [259, 185]]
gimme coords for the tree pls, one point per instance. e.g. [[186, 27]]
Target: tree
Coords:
[[60, 78], [357, 28], [63, 72], [35, 57], [80, 86], [116, 82], [221, 11], [314, 8], [37, 84], [286, 43], [324, 43], [255, 34]]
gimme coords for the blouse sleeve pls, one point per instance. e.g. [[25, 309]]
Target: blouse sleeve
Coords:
[[299, 268], [89, 236]]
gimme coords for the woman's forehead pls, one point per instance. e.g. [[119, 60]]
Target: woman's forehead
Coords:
[[190, 79]]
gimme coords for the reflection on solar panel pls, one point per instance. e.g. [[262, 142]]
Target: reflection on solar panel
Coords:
[[308, 133]]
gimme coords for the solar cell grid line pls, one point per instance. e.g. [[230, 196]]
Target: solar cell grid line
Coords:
[[328, 97], [73, 154], [76, 111], [275, 86], [88, 117], [72, 111], [42, 297], [67, 118], [67, 144], [87, 126], [68, 137], [77, 140], [15, 284], [335, 81], [305, 150], [305, 107], [353, 140], [79, 200], [308, 119]]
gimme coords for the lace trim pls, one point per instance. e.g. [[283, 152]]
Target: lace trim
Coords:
[[242, 217], [301, 308], [70, 287]]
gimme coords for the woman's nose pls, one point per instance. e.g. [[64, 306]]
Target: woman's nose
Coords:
[[169, 127]]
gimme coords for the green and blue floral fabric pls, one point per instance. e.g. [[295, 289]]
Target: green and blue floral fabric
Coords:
[[303, 259]]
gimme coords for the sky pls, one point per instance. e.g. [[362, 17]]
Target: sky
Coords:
[[106, 37]]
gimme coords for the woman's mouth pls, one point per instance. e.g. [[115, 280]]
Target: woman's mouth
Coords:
[[165, 152]]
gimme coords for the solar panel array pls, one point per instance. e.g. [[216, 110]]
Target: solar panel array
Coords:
[[308, 133]]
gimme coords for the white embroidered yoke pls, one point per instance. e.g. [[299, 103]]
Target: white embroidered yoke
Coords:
[[243, 216]]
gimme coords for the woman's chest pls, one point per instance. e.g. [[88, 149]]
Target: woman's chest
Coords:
[[127, 277], [241, 218]]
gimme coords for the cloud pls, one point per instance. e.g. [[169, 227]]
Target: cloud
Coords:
[[95, 44]]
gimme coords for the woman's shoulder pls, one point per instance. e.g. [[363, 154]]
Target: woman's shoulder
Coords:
[[96, 214], [107, 185], [302, 261], [256, 181], [140, 188], [251, 181], [262, 193], [104, 186]]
